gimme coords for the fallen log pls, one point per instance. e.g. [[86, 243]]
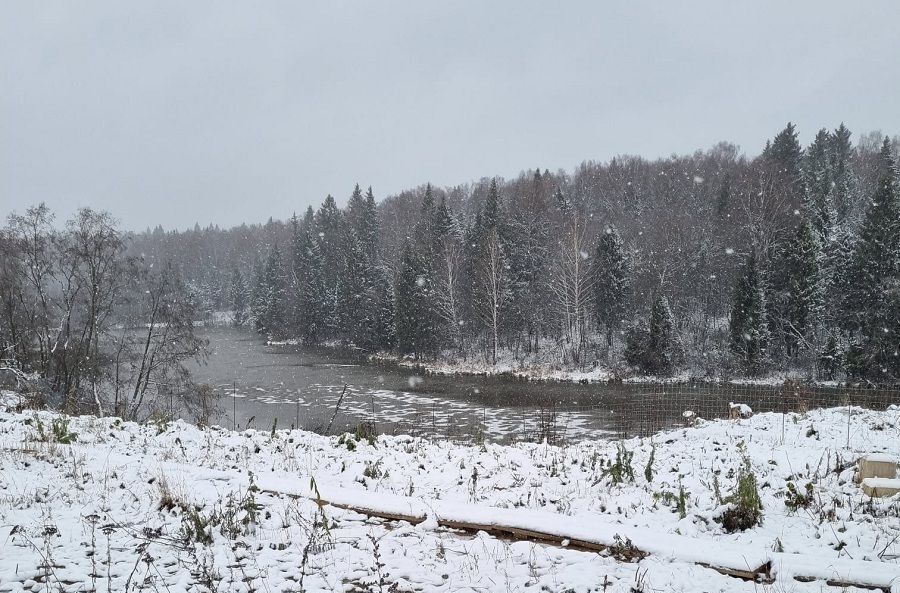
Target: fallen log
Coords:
[[547, 528], [598, 535]]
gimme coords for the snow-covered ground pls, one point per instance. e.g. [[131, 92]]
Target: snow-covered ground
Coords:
[[543, 368], [126, 507]]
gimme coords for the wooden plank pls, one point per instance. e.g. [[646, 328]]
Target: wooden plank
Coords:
[[762, 574]]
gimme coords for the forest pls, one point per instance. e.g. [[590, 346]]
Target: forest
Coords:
[[712, 265]]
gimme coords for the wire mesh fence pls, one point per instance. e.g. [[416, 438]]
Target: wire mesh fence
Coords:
[[625, 411]]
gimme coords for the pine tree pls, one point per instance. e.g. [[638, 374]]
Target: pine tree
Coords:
[[611, 282], [873, 297], [748, 326], [238, 297]]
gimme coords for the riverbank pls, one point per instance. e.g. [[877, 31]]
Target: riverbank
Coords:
[[100, 503], [543, 371], [544, 367]]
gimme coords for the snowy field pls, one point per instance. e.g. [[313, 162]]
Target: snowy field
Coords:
[[100, 504]]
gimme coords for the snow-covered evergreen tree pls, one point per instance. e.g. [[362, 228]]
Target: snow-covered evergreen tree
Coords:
[[238, 297], [748, 326], [611, 282], [841, 153], [806, 291], [328, 227], [271, 295], [663, 351], [819, 208], [873, 296]]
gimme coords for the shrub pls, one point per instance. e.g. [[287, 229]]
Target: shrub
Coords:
[[621, 470], [745, 510], [648, 470], [625, 551], [795, 500], [59, 431]]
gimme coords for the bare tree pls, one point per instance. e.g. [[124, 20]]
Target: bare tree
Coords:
[[571, 283], [492, 282]]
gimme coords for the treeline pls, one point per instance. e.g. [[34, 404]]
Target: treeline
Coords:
[[89, 326], [713, 264]]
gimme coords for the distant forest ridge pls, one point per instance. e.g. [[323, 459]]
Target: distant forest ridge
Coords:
[[711, 265]]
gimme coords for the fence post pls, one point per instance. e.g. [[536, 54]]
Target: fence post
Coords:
[[849, 413]]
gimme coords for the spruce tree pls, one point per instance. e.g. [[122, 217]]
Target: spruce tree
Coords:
[[414, 331], [368, 227], [611, 282], [663, 350], [238, 297], [805, 294], [723, 200], [748, 327], [270, 318], [786, 157], [420, 326], [872, 301], [329, 221], [490, 271], [840, 154], [312, 300], [353, 292], [819, 208], [382, 336]]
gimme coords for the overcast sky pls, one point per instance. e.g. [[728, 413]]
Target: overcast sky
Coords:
[[176, 112]]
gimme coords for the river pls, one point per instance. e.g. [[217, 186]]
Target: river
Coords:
[[262, 385]]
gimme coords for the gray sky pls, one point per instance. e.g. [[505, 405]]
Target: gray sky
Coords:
[[171, 112]]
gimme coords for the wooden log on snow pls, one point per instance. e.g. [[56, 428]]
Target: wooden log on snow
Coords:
[[594, 535]]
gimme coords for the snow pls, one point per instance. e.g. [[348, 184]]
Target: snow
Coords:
[[9, 399], [743, 410], [881, 458], [545, 366], [882, 483], [92, 508]]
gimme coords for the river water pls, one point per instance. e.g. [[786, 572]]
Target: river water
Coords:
[[262, 385]]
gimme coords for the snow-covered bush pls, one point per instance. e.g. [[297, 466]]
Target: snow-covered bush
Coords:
[[745, 506]]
